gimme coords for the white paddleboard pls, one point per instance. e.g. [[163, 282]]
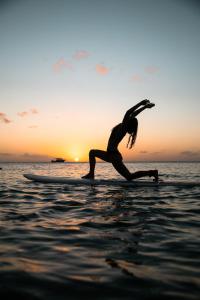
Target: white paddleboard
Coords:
[[134, 183]]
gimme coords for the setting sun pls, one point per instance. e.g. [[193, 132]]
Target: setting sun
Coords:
[[76, 159]]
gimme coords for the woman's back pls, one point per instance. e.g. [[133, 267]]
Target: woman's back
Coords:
[[116, 136]]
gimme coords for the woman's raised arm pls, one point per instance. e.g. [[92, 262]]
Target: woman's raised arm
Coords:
[[133, 109]]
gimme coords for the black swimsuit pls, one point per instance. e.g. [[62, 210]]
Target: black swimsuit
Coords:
[[117, 134], [114, 155]]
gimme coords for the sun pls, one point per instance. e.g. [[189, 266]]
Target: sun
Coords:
[[76, 159]]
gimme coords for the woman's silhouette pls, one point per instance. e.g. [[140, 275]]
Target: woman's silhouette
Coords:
[[129, 125]]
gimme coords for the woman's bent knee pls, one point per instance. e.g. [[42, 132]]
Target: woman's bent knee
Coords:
[[92, 152]]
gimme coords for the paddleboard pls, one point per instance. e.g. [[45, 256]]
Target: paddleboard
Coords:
[[116, 182]]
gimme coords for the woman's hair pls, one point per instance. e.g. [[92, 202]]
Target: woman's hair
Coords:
[[132, 128]]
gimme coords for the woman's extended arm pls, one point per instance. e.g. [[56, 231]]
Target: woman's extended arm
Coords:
[[133, 109], [137, 111]]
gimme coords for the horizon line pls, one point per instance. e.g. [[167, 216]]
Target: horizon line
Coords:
[[126, 161]]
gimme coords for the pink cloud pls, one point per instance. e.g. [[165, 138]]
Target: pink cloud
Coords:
[[4, 118], [22, 114], [34, 111], [136, 78], [62, 64], [102, 70], [26, 113], [81, 54], [151, 69]]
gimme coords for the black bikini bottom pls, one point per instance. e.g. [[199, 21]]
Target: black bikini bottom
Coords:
[[114, 155]]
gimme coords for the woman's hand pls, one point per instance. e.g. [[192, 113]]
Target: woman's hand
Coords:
[[145, 102], [149, 105]]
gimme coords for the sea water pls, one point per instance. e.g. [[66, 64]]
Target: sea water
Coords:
[[105, 242]]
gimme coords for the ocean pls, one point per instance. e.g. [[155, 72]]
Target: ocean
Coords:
[[105, 242]]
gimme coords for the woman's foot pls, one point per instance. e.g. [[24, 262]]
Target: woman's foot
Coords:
[[88, 176], [154, 173]]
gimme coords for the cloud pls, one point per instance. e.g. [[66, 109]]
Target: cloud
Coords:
[[62, 64], [136, 78], [22, 114], [34, 111], [190, 153], [26, 154], [152, 153], [26, 113], [4, 118], [5, 154], [144, 152], [151, 69], [157, 152], [82, 54], [34, 157], [26, 157], [101, 69]]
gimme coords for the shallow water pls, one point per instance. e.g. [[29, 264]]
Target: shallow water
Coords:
[[69, 242]]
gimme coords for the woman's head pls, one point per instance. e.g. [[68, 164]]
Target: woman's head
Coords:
[[132, 128]]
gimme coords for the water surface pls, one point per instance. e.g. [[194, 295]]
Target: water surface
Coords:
[[105, 242]]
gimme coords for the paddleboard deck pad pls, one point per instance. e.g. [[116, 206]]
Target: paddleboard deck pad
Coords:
[[116, 182]]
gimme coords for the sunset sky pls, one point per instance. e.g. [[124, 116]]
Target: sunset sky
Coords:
[[69, 70]]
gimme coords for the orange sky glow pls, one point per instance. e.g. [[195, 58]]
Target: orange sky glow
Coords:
[[70, 72]]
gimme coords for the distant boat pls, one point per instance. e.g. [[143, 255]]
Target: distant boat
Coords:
[[58, 160]]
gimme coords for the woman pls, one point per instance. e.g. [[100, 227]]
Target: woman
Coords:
[[129, 125]]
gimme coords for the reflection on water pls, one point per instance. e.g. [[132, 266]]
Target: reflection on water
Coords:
[[60, 241]]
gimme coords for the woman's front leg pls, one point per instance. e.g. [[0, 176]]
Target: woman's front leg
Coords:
[[92, 161]]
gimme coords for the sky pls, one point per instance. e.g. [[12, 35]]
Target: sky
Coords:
[[70, 69]]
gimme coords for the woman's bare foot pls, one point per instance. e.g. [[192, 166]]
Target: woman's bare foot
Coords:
[[154, 173], [88, 176]]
